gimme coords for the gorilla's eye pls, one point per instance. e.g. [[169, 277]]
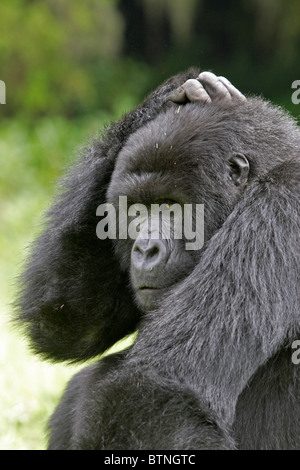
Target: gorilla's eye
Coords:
[[140, 208]]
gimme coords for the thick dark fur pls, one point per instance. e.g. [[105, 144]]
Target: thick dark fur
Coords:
[[211, 367]]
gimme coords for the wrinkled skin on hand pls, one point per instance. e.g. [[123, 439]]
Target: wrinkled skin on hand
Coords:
[[207, 88]]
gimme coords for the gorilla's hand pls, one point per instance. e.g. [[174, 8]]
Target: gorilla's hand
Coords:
[[207, 88]]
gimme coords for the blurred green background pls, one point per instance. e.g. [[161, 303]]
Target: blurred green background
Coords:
[[69, 68]]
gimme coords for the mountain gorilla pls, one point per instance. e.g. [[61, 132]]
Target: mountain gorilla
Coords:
[[212, 364]]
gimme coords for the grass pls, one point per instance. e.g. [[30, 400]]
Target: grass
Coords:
[[31, 160]]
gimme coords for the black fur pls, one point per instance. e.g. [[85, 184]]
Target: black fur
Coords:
[[211, 367]]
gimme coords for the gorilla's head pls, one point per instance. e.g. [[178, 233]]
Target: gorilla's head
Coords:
[[186, 157]]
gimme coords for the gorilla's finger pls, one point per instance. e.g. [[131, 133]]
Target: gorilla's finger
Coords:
[[214, 87], [191, 90], [194, 91], [178, 96], [207, 88], [234, 92]]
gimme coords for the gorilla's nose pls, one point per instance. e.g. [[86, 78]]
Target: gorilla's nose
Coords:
[[148, 254]]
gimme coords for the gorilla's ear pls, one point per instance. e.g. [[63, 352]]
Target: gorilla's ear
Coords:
[[239, 169]]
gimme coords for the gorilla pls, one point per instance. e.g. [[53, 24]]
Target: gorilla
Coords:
[[211, 367]]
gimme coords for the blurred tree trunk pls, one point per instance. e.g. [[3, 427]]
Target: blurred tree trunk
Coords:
[[153, 25]]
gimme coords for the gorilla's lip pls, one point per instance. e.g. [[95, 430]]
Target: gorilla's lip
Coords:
[[148, 288]]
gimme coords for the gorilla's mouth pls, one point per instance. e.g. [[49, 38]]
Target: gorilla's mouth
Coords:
[[148, 297], [148, 288]]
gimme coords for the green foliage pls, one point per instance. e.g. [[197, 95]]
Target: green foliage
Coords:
[[29, 392], [72, 57], [55, 56]]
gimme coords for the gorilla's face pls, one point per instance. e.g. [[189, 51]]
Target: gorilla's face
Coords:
[[177, 162]]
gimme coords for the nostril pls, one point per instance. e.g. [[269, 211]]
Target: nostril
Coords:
[[153, 251], [140, 246], [138, 250]]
